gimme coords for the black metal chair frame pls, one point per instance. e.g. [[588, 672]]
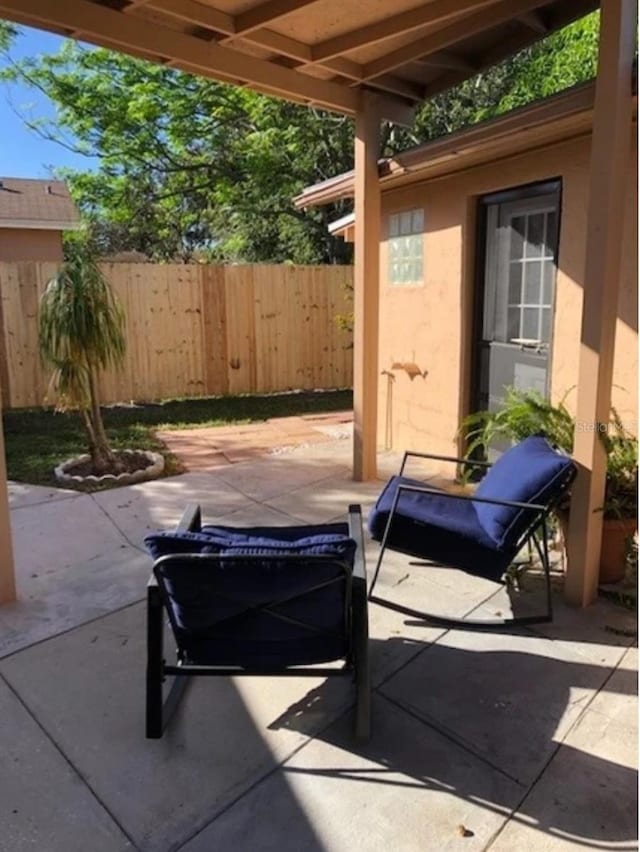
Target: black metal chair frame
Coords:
[[536, 532], [159, 710]]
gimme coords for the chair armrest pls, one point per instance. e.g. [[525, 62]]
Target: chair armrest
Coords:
[[452, 459], [191, 520], [536, 507], [355, 532]]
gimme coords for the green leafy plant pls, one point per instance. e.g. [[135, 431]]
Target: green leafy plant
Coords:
[[621, 495], [81, 331], [525, 413], [520, 414]]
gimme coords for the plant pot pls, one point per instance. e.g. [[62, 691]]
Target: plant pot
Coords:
[[615, 533]]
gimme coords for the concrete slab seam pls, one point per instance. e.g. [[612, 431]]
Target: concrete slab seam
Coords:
[[66, 760], [264, 777], [69, 629], [432, 723]]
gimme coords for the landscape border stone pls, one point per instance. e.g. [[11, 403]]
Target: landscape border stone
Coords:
[[154, 470]]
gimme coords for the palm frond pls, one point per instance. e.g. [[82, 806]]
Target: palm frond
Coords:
[[81, 327]]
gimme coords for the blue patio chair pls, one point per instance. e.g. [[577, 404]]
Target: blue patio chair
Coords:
[[260, 601], [480, 533]]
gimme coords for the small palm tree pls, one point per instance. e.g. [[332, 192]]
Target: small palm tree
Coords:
[[81, 331]]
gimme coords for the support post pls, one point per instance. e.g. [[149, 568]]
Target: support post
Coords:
[[610, 151], [7, 571], [366, 289]]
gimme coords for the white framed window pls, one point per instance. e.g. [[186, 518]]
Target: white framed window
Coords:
[[405, 242], [532, 272]]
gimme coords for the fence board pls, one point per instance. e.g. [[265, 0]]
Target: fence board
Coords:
[[214, 329], [193, 330]]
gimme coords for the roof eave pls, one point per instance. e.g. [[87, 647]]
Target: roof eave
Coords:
[[40, 224], [510, 127]]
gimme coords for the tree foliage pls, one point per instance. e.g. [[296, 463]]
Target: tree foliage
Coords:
[[189, 168], [7, 34]]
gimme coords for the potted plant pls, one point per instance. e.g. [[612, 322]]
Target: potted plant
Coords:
[[81, 331], [520, 414], [621, 499], [525, 413]]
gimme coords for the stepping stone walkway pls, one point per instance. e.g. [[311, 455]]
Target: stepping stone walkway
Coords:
[[218, 446]]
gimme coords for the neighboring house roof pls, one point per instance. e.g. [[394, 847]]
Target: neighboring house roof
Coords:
[[37, 204], [344, 227], [563, 116]]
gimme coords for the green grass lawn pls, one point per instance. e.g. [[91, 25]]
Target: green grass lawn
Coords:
[[38, 439]]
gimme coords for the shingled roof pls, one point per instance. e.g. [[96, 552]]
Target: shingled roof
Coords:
[[38, 204]]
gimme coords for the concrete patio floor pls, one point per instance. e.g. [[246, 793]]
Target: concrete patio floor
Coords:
[[517, 741]]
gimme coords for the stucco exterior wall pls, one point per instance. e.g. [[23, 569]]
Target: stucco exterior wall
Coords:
[[428, 328], [30, 244]]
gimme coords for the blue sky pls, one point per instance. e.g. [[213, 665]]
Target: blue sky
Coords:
[[22, 152]]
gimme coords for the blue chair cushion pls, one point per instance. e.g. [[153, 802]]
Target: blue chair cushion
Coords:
[[530, 472], [213, 539], [438, 528], [166, 543], [215, 602]]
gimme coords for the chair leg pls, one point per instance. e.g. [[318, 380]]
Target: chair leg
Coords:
[[469, 623], [360, 640], [543, 553], [155, 664], [158, 712]]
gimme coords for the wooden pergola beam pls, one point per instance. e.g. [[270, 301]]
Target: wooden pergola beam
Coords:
[[196, 13], [366, 288], [437, 12], [98, 24], [268, 12], [445, 59], [219, 22], [511, 44], [499, 13], [534, 21], [610, 153]]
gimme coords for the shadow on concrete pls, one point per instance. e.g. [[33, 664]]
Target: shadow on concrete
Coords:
[[484, 703]]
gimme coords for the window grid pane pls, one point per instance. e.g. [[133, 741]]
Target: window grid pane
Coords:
[[531, 275], [405, 246]]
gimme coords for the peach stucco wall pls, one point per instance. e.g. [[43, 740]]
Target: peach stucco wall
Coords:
[[427, 328], [30, 244]]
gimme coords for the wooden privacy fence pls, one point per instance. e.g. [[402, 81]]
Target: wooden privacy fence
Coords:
[[193, 330]]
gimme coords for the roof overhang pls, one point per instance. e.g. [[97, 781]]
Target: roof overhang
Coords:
[[564, 116], [344, 227], [319, 52], [40, 225]]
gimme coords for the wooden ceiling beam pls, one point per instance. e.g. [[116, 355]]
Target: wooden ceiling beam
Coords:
[[390, 109], [470, 25], [195, 13], [97, 24], [267, 13], [404, 88], [204, 16], [445, 59], [534, 21], [570, 11], [219, 22], [435, 12], [135, 4]]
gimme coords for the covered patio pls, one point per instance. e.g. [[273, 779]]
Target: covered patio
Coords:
[[376, 60], [504, 742]]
